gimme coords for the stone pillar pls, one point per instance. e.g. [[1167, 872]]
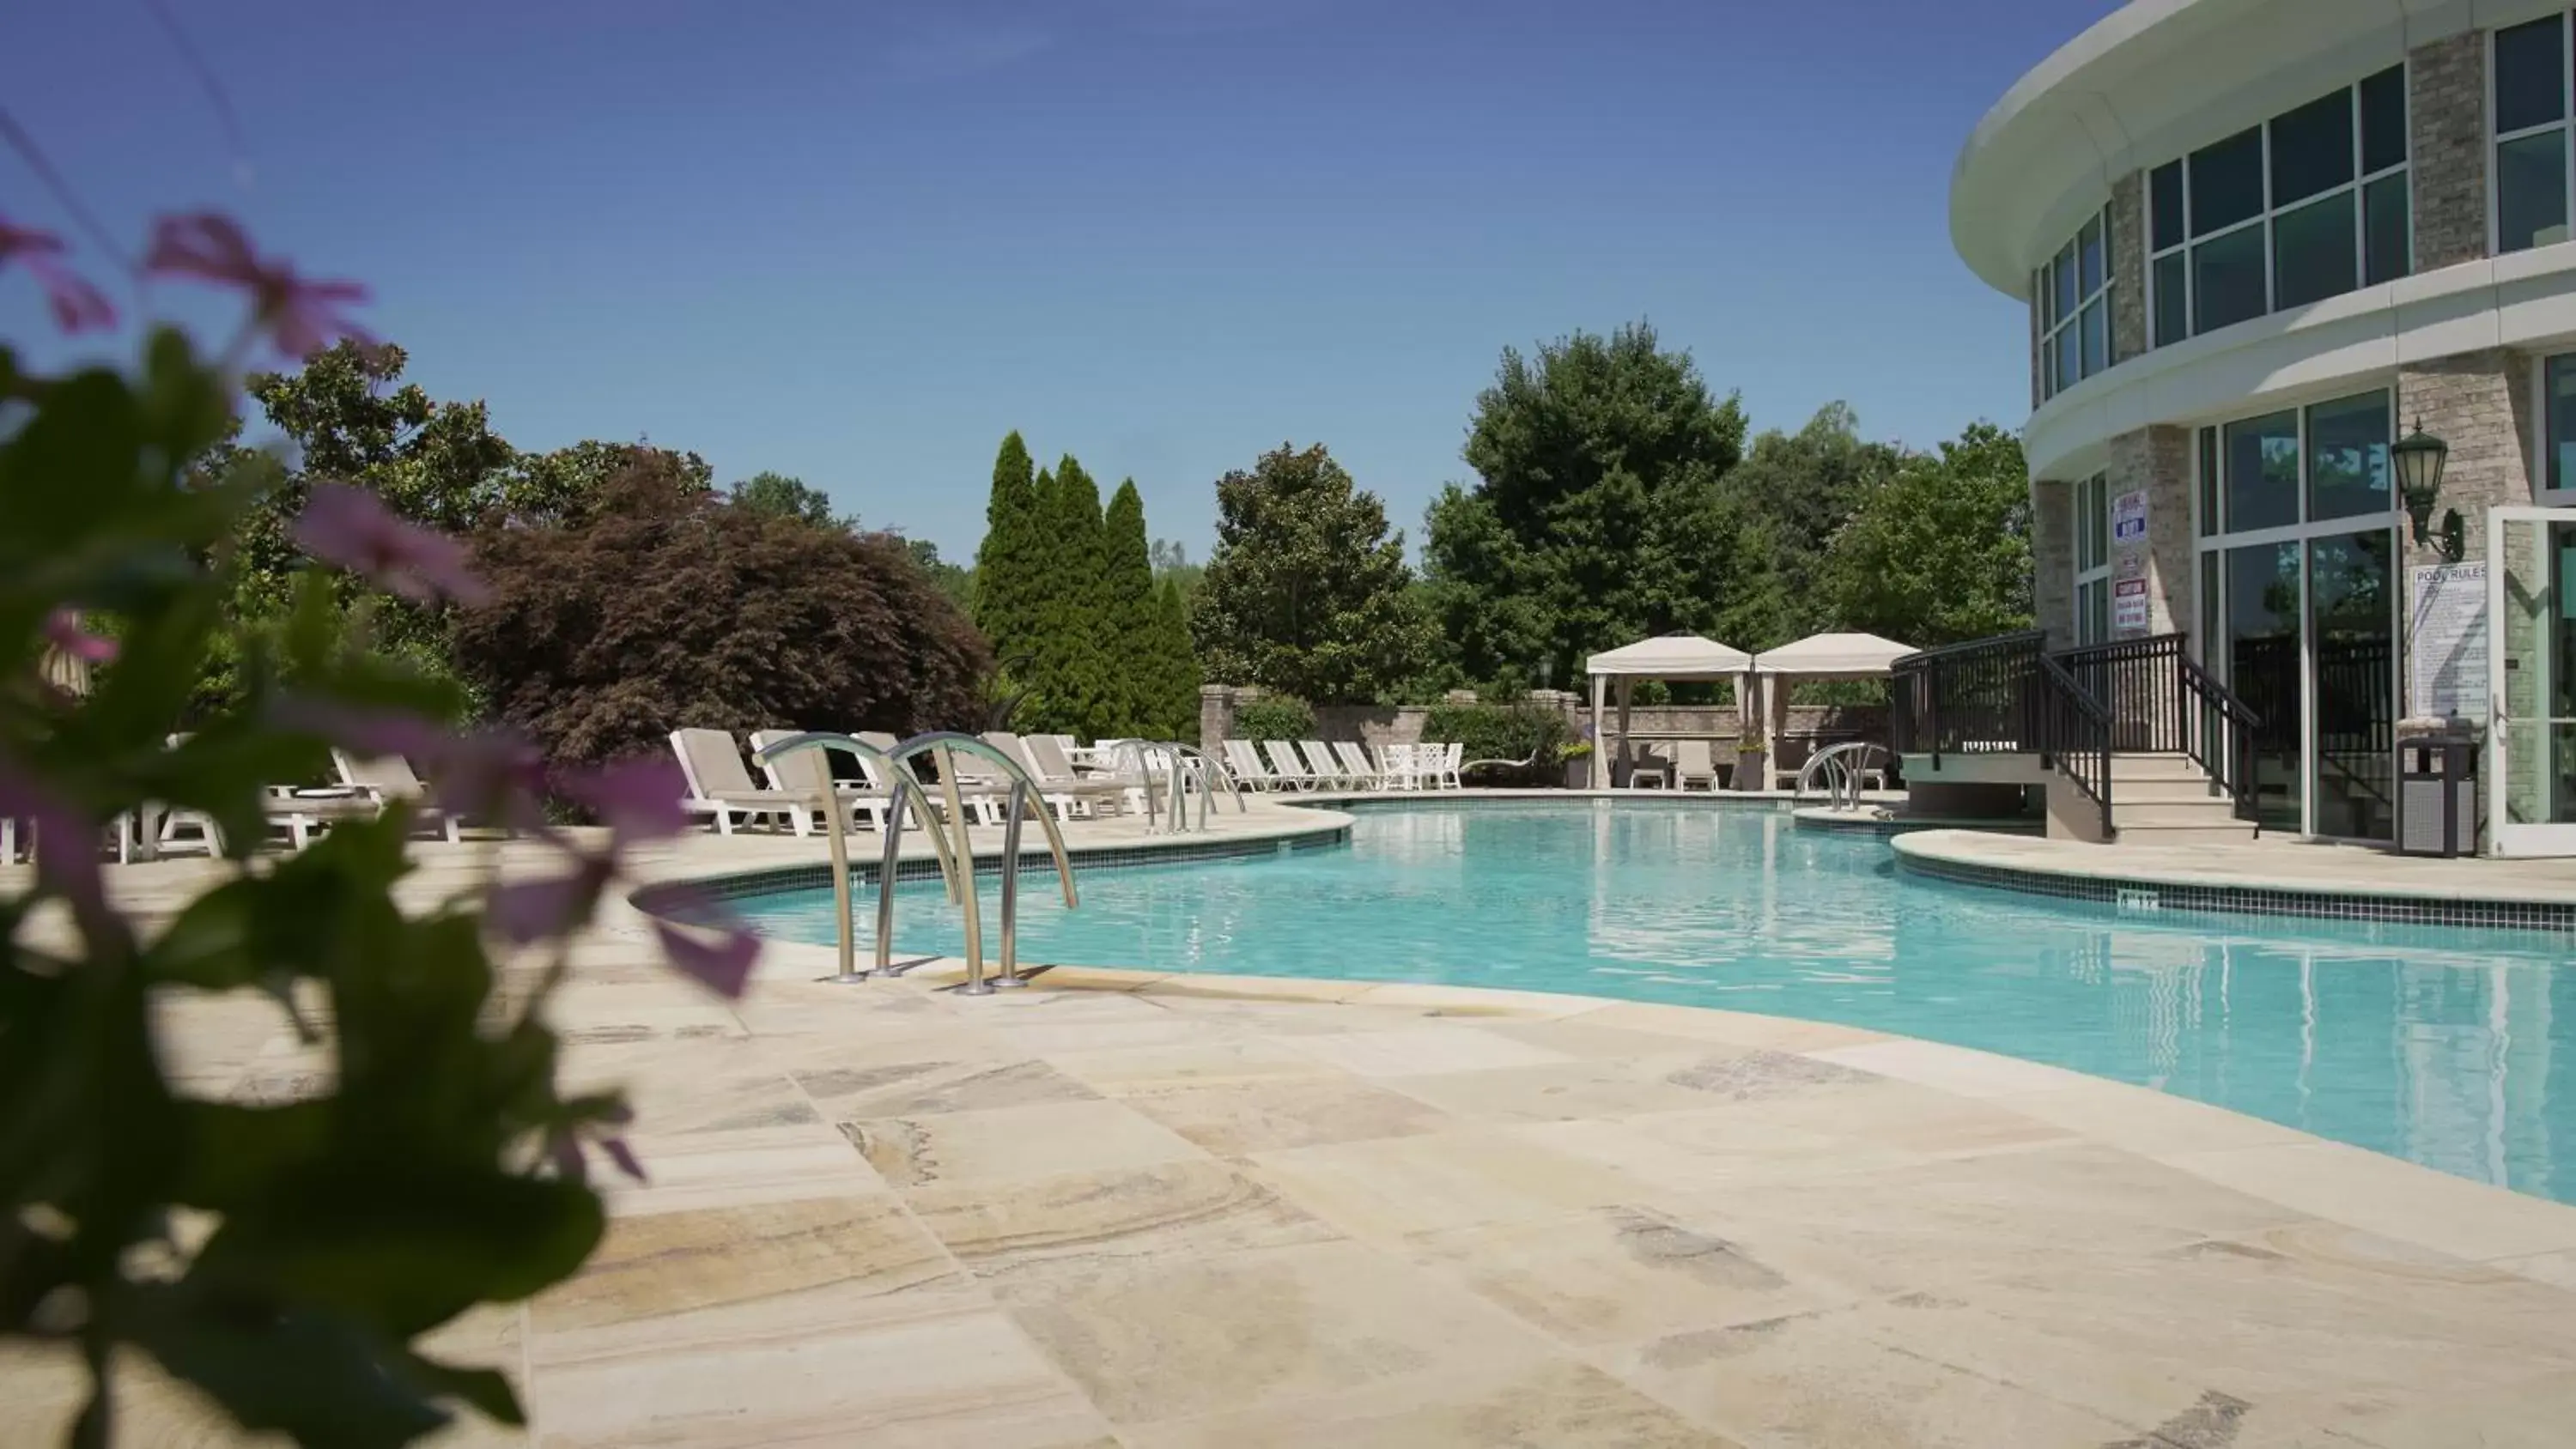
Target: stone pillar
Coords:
[[2158, 460], [2052, 558], [1217, 704], [2128, 247], [2446, 110], [2479, 403]]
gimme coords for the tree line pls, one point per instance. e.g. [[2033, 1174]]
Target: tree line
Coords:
[[1615, 496]]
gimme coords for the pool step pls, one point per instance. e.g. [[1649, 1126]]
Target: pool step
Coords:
[[2233, 832]]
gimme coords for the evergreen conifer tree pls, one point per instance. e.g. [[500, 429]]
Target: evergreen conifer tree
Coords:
[[1009, 565], [1076, 686], [1138, 671], [1177, 673]]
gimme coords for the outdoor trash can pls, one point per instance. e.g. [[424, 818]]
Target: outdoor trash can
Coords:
[[2437, 795]]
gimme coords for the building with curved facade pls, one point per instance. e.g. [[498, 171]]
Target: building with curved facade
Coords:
[[2261, 241]]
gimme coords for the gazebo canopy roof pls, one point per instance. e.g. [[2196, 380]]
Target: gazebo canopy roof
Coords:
[[1835, 656], [1674, 656]]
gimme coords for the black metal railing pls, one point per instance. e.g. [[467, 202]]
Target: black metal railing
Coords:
[[2137, 681], [2077, 730], [2078, 707], [1965, 699], [2222, 738]]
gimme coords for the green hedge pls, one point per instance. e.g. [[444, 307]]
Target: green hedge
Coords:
[[1501, 732], [1276, 718]]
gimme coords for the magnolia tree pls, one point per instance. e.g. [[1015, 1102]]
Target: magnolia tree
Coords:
[[284, 1257]]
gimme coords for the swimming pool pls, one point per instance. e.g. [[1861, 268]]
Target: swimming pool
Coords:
[[2449, 1047]]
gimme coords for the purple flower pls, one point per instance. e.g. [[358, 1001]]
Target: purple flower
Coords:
[[549, 906], [493, 772], [638, 799], [723, 966], [353, 528], [76, 304], [63, 630], [372, 734], [300, 316], [66, 840]]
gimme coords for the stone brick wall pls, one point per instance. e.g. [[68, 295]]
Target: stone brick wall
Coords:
[[2446, 112], [2052, 554], [2479, 403], [2158, 459], [2128, 244]]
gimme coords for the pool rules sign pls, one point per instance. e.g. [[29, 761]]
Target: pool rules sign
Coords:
[[2129, 612]]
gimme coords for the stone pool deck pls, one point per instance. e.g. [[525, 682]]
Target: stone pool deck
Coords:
[[2277, 863], [1158, 1211]]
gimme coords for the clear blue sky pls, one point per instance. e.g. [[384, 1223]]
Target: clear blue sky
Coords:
[[859, 241]]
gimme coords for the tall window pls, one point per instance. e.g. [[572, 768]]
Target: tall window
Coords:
[[2530, 76], [2093, 560], [2558, 422], [2297, 603], [2309, 205], [2072, 295]]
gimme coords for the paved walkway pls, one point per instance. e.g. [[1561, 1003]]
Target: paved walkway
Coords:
[[1123, 1209]]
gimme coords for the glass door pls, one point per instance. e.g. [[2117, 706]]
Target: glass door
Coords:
[[2531, 644]]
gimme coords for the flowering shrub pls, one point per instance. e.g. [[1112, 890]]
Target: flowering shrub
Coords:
[[282, 1257]]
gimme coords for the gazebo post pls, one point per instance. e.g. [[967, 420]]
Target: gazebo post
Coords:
[[1600, 741], [1627, 693]]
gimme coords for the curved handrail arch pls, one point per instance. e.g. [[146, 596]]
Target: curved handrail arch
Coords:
[[961, 871]]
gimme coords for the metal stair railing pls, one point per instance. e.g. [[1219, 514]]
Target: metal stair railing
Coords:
[[956, 858], [1971, 698], [2075, 732], [1188, 763]]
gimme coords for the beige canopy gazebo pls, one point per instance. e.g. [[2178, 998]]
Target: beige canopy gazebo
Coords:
[[1683, 657], [1818, 656]]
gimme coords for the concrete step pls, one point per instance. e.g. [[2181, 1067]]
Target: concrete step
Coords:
[[2157, 790], [2156, 767], [2128, 813], [2235, 832]]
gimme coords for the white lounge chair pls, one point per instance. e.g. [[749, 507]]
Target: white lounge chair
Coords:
[[1283, 758], [720, 785], [808, 772], [1356, 767], [1321, 764], [1693, 760], [1069, 789], [388, 778], [1395, 766], [1243, 761]]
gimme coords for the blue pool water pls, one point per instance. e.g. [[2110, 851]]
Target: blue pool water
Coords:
[[2452, 1048]]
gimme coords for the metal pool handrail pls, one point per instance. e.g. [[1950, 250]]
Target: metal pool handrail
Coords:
[[900, 782], [1210, 770], [945, 745]]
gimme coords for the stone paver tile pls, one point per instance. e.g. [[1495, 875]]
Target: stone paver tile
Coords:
[[967, 1379], [1234, 1118], [2143, 1120], [736, 1168], [923, 1087], [1013, 1142], [1165, 1340], [719, 1276], [1580, 1035], [1386, 1189], [2534, 1415], [1550, 1403], [2399, 1199], [1884, 1112], [2556, 1269], [1129, 1071], [1422, 1049], [1620, 1274], [1776, 1033], [1592, 1088], [2306, 1309], [1951, 1069], [1171, 1210], [1816, 1381], [1698, 1154]]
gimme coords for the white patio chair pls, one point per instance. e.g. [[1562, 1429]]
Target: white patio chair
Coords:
[[720, 784], [1243, 761], [808, 773], [388, 778], [1693, 760], [1283, 758], [1396, 767], [1356, 767], [1321, 764]]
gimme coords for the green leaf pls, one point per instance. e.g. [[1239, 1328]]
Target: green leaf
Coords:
[[322, 1378], [405, 1247], [487, 1390]]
